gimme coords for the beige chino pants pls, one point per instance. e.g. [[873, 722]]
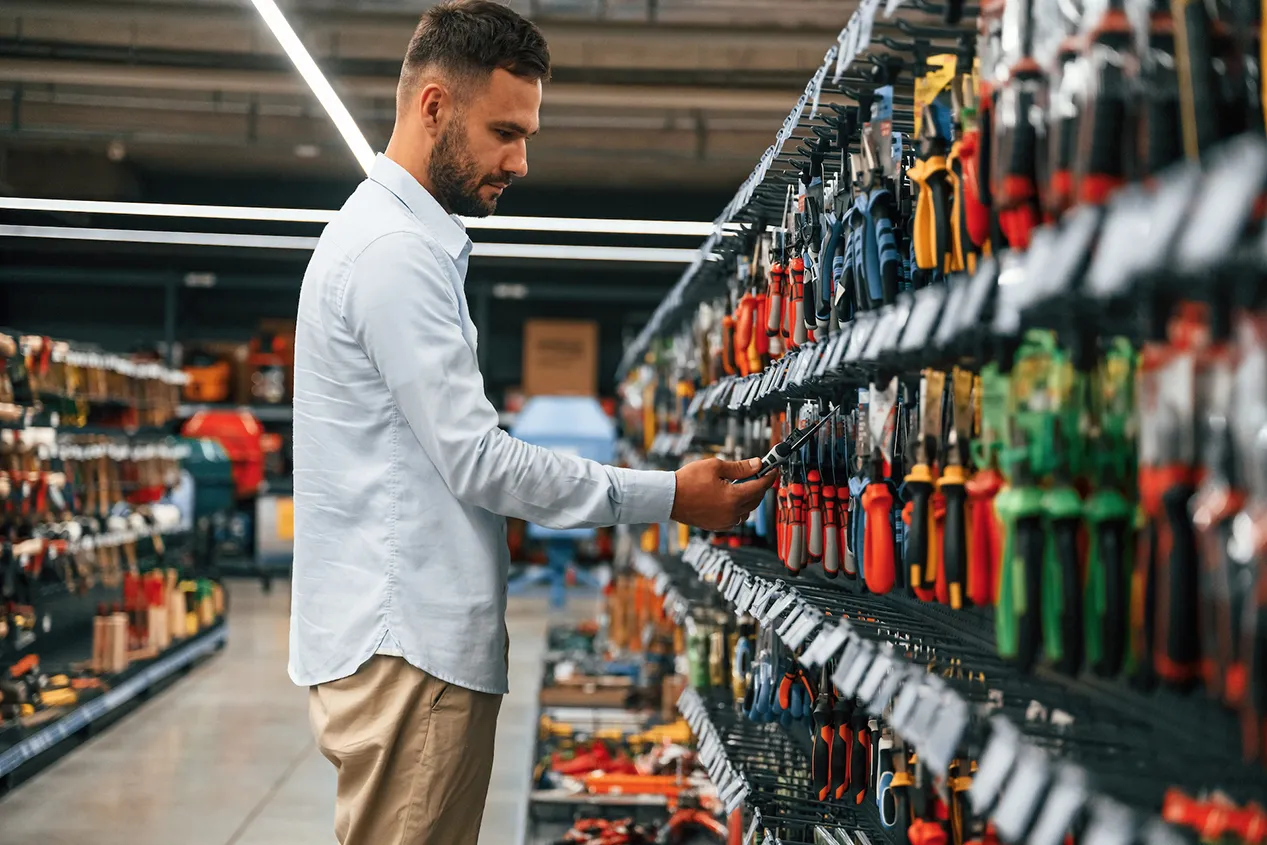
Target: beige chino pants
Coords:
[[414, 754]]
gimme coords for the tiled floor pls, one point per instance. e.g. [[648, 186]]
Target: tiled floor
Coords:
[[225, 757]]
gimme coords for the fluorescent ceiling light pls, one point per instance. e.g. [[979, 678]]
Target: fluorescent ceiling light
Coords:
[[686, 228], [561, 252], [316, 81]]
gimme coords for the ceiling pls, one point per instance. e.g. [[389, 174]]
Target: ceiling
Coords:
[[647, 94]]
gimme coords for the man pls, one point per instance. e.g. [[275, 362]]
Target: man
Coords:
[[402, 476]]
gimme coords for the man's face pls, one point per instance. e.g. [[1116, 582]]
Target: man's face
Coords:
[[483, 146]]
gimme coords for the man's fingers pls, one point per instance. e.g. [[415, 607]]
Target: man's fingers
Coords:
[[738, 469]]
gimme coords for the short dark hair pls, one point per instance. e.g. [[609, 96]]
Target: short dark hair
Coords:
[[468, 39]]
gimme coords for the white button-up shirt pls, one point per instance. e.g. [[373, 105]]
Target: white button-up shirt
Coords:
[[403, 479]]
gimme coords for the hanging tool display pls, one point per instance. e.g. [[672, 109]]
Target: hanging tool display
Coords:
[[1043, 436]]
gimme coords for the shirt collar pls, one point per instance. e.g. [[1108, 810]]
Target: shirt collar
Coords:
[[446, 228]]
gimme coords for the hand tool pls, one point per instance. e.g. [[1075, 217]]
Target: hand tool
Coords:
[[1162, 124], [1248, 585], [744, 318], [831, 518], [1166, 384], [1108, 513], [859, 757], [990, 393], [783, 451], [954, 568], [841, 745], [931, 232], [1014, 188], [877, 499], [814, 503], [1067, 88], [1201, 39], [1104, 131], [919, 485], [821, 762], [858, 484], [778, 291], [796, 694], [1017, 623], [963, 200], [1219, 498]]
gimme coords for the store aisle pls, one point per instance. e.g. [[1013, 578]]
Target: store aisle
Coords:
[[225, 757]]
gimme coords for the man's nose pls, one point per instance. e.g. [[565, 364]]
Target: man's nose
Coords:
[[517, 161]]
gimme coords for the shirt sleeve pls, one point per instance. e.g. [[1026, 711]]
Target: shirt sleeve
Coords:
[[402, 307]]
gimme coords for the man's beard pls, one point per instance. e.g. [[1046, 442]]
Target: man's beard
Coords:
[[456, 177]]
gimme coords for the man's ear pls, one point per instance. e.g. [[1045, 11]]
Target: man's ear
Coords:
[[432, 102]]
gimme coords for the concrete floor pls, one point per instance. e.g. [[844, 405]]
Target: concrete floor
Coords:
[[225, 757]]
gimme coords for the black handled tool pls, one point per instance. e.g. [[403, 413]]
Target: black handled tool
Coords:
[[783, 452]]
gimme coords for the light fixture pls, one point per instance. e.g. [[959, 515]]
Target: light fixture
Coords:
[[317, 82], [559, 252], [587, 225]]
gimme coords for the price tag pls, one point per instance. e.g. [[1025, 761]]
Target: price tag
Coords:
[[767, 593], [754, 826], [942, 741], [843, 59], [888, 689], [1066, 798], [778, 608], [790, 621], [661, 584], [853, 676], [867, 12], [919, 725], [1020, 797], [904, 705], [735, 801], [1110, 824], [891, 6], [746, 596], [1157, 832], [995, 765], [810, 619], [880, 665], [826, 644]]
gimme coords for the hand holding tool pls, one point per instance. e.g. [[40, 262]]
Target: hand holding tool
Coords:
[[783, 451]]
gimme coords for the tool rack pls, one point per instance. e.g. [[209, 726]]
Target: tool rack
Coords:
[[1106, 751]]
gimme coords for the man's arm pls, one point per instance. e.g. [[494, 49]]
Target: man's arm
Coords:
[[403, 311]]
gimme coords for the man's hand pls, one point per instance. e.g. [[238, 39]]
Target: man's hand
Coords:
[[706, 499]]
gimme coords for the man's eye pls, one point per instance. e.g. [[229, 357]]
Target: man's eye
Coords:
[[505, 135]]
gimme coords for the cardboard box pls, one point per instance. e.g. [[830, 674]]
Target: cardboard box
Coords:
[[560, 358]]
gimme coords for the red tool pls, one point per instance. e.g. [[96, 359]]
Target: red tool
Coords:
[[987, 543]]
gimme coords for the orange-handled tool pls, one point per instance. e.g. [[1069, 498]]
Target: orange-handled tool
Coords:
[[831, 533], [814, 540], [728, 345], [987, 542]]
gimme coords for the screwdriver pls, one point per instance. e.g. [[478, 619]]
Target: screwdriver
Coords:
[[919, 483], [783, 451], [831, 519], [952, 485], [1015, 192], [1017, 613], [1107, 511], [1103, 130], [877, 498]]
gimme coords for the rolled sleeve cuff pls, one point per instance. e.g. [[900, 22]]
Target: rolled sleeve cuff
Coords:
[[647, 496]]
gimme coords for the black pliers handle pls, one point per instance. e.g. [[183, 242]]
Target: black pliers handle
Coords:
[[782, 452]]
